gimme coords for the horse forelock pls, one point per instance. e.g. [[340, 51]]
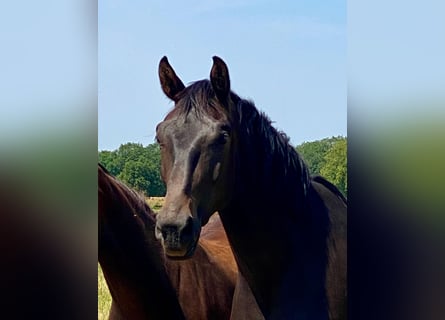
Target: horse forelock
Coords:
[[199, 98]]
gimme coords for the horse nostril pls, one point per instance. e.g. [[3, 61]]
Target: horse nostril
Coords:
[[169, 230], [188, 228]]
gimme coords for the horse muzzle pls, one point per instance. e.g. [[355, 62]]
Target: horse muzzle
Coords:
[[179, 240]]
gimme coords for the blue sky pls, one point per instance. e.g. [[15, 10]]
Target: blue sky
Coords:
[[289, 58], [396, 66], [47, 66]]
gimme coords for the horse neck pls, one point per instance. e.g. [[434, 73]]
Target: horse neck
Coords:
[[118, 203], [270, 174], [269, 219], [130, 256], [270, 190]]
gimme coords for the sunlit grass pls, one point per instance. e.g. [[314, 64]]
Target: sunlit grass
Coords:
[[104, 297]]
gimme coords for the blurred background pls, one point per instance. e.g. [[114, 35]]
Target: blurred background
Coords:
[[396, 152], [48, 148]]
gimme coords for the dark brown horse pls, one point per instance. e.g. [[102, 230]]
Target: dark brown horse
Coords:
[[145, 285], [286, 229]]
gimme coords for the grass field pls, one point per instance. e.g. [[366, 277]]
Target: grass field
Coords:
[[104, 297]]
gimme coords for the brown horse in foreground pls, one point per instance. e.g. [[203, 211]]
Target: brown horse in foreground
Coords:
[[286, 229], [145, 285]]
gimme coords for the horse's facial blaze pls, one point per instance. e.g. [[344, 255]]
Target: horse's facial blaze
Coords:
[[195, 159]]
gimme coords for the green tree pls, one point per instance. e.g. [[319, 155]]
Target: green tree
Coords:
[[137, 175], [137, 166], [128, 152], [153, 155], [335, 165], [314, 152], [109, 160]]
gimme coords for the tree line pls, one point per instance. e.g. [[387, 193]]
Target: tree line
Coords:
[[139, 166], [328, 158]]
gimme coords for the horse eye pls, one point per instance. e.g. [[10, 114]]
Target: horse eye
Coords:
[[225, 127], [222, 138]]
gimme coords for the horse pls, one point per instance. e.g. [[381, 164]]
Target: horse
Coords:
[[286, 228], [145, 285]]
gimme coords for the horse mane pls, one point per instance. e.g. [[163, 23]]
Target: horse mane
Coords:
[[200, 98], [135, 199], [330, 186], [103, 168], [274, 142]]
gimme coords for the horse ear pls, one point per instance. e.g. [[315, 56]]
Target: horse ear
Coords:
[[219, 77], [170, 83]]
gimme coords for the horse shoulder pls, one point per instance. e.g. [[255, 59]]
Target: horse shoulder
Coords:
[[336, 276], [244, 306]]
